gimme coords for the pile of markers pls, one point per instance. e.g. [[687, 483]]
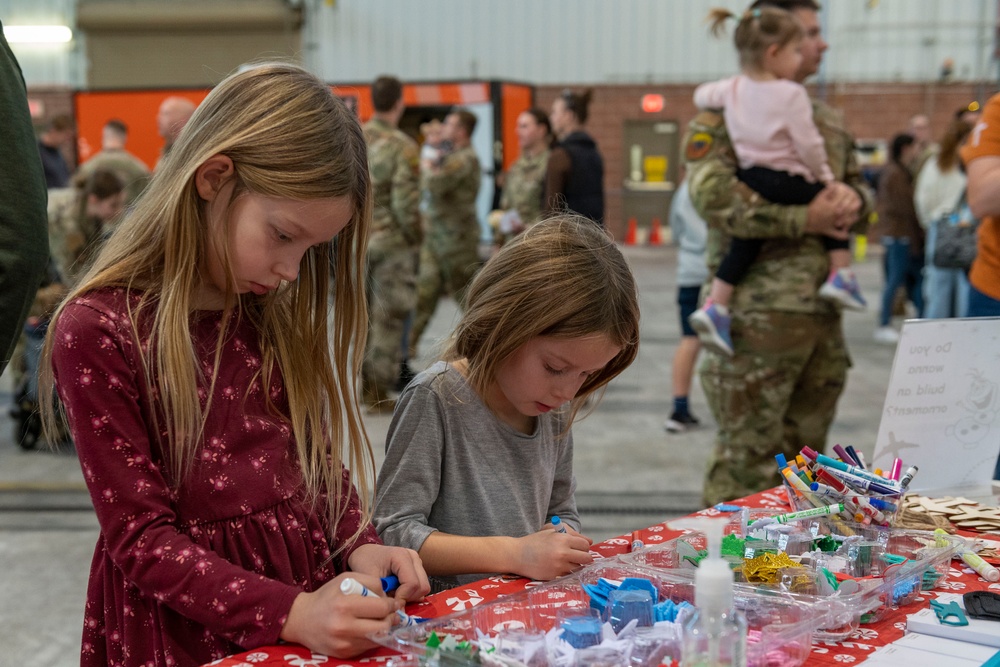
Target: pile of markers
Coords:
[[844, 487]]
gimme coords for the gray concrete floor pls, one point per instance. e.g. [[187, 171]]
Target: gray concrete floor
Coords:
[[630, 472]]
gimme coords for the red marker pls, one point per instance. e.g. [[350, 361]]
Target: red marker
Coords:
[[637, 542]]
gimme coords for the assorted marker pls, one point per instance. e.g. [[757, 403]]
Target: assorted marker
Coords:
[[843, 487], [351, 586]]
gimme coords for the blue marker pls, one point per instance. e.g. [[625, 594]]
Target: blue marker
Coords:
[[558, 525], [880, 482], [354, 587], [390, 583]]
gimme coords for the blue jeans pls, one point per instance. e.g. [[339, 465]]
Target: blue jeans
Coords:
[[981, 305], [946, 291], [901, 268]]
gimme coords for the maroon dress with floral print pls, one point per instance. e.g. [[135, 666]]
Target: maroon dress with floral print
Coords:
[[183, 576]]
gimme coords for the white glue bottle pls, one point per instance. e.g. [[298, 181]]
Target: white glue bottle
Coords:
[[715, 634]]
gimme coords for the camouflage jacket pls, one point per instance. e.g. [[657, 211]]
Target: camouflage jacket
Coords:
[[73, 237], [393, 159], [451, 207], [791, 265], [524, 187], [132, 171]]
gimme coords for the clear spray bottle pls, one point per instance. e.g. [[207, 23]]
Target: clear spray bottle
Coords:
[[715, 634]]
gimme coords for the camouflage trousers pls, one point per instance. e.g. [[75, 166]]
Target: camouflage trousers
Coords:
[[441, 275], [392, 295], [777, 394]]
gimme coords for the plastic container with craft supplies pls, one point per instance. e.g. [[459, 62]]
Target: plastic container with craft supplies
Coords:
[[780, 629], [814, 481], [862, 574]]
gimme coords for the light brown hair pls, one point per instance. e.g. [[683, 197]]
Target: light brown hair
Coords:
[[565, 278], [757, 30], [952, 139]]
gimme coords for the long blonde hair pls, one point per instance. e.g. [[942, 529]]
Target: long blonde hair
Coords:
[[564, 277], [288, 137]]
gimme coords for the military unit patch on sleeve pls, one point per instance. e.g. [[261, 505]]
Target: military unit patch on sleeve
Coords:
[[698, 146]]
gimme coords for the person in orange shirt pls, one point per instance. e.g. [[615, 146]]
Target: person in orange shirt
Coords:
[[982, 163]]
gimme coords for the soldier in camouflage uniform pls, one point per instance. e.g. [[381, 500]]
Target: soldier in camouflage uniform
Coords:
[[394, 243], [779, 391], [449, 256], [132, 171], [78, 218], [524, 185], [79, 221]]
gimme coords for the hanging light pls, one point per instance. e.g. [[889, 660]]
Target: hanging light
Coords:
[[37, 34]]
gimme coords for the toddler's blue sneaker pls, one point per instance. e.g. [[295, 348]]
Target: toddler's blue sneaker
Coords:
[[842, 288], [713, 326]]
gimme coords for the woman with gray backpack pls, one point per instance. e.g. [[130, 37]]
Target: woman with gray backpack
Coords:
[[939, 196]]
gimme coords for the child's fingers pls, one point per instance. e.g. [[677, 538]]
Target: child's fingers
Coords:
[[581, 557], [369, 608], [413, 581], [573, 532]]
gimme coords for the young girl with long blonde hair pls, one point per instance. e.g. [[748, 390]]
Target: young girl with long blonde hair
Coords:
[[208, 403], [479, 455]]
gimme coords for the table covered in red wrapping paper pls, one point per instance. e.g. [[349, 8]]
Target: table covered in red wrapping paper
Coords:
[[854, 650]]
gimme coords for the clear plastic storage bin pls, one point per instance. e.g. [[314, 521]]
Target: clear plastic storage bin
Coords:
[[882, 583], [780, 628]]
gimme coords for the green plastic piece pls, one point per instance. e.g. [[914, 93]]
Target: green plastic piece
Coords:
[[831, 578], [826, 544], [733, 545]]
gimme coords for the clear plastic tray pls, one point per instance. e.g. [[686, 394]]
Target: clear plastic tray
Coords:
[[781, 628], [927, 566]]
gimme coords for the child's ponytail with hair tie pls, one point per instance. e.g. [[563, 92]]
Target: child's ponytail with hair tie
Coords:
[[717, 18]]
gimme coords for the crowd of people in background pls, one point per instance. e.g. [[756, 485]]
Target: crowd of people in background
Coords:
[[763, 220], [426, 239]]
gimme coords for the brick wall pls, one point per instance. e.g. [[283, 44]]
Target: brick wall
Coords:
[[872, 111]]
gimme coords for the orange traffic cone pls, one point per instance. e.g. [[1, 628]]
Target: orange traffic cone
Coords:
[[633, 230], [655, 233]]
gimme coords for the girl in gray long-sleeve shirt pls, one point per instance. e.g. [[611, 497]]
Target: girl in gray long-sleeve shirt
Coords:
[[479, 454]]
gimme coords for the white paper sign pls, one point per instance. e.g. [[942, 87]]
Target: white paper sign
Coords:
[[942, 409]]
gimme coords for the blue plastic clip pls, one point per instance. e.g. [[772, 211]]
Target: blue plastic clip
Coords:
[[949, 614]]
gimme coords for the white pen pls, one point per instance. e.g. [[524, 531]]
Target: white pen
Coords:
[[351, 586]]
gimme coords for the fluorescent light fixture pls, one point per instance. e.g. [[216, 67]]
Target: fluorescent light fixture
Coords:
[[37, 34]]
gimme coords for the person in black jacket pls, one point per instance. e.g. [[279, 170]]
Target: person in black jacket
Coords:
[[574, 180], [24, 240]]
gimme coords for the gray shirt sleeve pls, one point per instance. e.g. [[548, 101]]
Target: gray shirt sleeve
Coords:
[[410, 477]]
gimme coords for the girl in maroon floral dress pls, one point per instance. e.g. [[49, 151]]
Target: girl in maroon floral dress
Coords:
[[214, 416]]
